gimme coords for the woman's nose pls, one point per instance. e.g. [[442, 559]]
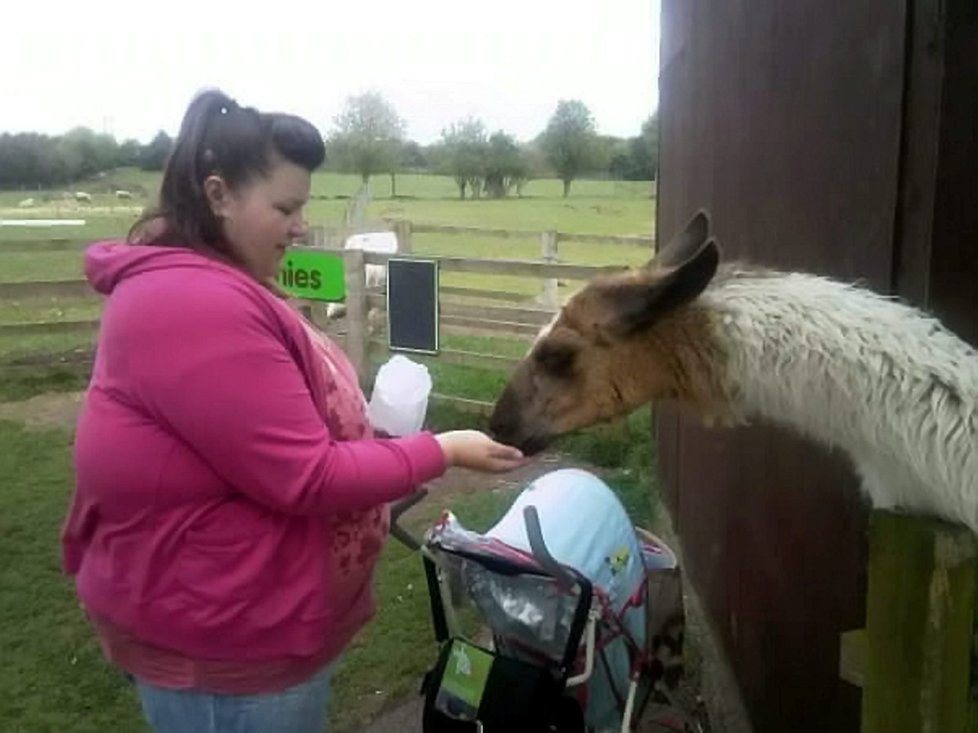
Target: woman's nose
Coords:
[[298, 229]]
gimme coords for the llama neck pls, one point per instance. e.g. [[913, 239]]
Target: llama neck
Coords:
[[840, 364]]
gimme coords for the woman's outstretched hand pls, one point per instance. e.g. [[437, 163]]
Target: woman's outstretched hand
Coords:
[[476, 450]]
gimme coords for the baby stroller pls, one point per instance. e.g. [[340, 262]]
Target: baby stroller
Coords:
[[562, 617]]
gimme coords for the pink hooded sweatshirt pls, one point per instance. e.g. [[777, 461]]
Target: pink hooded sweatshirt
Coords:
[[231, 500]]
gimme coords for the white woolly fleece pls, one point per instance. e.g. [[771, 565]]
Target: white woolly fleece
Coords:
[[859, 371]]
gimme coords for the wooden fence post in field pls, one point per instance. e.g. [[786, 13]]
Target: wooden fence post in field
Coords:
[[356, 209], [402, 230], [356, 310], [920, 617], [316, 311], [317, 236], [550, 298]]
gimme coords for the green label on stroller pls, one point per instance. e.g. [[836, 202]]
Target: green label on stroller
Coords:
[[464, 680]]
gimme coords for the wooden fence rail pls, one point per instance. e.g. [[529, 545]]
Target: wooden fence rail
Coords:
[[525, 268], [461, 309], [634, 240], [520, 321]]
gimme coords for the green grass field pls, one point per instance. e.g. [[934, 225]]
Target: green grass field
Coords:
[[53, 677], [598, 207]]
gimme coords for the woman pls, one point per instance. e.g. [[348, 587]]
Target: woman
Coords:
[[231, 498]]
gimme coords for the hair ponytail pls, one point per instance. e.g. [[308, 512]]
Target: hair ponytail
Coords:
[[219, 137]]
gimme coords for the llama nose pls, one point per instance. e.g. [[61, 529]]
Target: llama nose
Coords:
[[502, 427], [497, 428]]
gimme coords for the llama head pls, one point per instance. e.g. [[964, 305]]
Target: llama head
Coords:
[[612, 348]]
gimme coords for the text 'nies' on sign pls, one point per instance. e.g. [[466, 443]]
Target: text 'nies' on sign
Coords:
[[313, 275]]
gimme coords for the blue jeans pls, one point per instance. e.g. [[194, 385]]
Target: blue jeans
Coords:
[[298, 709]]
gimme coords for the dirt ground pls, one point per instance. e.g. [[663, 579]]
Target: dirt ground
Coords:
[[60, 411], [55, 410]]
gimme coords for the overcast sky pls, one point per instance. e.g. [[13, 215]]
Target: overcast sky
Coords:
[[130, 68]]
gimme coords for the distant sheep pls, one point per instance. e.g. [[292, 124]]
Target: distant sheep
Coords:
[[82, 196], [123, 194], [376, 275], [26, 203]]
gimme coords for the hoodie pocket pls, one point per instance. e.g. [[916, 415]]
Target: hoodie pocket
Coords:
[[226, 555]]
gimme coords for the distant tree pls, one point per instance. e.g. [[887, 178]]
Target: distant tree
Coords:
[[129, 152], [395, 165], [368, 136], [464, 154], [85, 153], [33, 160], [569, 141], [28, 160], [153, 156], [413, 156], [619, 160], [505, 167], [536, 163], [637, 159], [645, 151], [620, 166], [409, 156], [606, 147], [71, 159]]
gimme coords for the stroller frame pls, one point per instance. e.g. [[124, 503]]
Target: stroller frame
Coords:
[[592, 610]]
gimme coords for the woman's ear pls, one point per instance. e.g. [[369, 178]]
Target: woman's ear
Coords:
[[218, 195]]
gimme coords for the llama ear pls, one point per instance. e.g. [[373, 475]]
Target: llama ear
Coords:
[[685, 245], [637, 304]]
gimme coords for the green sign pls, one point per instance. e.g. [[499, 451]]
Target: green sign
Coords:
[[464, 680], [313, 275]]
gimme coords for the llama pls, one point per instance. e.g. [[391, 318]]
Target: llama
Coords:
[[842, 365]]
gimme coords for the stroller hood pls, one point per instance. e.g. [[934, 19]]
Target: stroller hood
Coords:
[[584, 526]]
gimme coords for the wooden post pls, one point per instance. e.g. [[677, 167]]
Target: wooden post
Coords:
[[317, 236], [402, 230], [920, 615], [356, 209], [550, 298], [315, 312], [357, 333]]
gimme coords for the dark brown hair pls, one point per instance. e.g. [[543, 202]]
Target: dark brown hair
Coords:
[[218, 137]]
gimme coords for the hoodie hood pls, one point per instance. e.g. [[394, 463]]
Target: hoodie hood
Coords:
[[109, 263]]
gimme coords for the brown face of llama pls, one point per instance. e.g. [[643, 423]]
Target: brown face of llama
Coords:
[[615, 345]]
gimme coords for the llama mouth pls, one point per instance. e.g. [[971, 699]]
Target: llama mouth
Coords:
[[528, 445], [534, 444]]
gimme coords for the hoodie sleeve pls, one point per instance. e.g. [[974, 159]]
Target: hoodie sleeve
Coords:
[[213, 371]]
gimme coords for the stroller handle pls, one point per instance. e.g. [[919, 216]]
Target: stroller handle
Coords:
[[539, 548], [533, 533], [397, 509]]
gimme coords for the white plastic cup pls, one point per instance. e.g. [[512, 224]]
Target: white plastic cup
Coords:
[[399, 400]]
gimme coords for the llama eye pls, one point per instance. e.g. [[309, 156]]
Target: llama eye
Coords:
[[556, 359]]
